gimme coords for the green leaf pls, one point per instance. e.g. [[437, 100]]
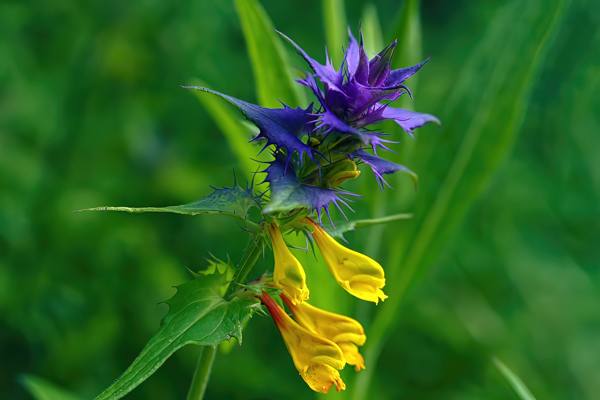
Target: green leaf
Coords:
[[236, 132], [273, 79], [334, 19], [41, 389], [198, 314], [340, 229], [233, 201], [513, 379], [473, 145], [371, 29]]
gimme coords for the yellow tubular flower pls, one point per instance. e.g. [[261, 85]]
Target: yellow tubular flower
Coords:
[[344, 331], [358, 274], [288, 273], [316, 358]]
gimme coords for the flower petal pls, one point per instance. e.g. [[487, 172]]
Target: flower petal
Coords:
[[398, 76], [344, 331], [326, 73], [316, 358], [381, 166], [279, 126], [408, 120], [359, 275], [288, 273]]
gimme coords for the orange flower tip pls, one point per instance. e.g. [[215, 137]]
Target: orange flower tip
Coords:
[[359, 367]]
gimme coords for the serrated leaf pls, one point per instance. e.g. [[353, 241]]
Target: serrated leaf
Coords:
[[273, 79], [41, 389], [233, 201], [198, 314]]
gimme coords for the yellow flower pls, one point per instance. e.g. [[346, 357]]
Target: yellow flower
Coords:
[[288, 273], [358, 274], [344, 331], [315, 357]]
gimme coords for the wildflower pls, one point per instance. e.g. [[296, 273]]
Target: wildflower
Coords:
[[313, 146], [344, 331], [288, 273], [316, 358], [358, 274]]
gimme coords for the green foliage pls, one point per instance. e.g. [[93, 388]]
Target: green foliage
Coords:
[[336, 28], [233, 201], [269, 62], [236, 132], [513, 379], [371, 29], [40, 389], [348, 226], [479, 147], [93, 114], [198, 314]]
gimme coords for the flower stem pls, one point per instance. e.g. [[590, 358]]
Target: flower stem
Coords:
[[208, 353], [202, 373]]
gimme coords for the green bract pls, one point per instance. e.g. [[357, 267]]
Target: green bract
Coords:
[[198, 314]]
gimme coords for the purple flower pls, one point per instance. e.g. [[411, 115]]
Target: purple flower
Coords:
[[349, 100], [381, 167], [357, 94], [282, 127], [288, 192]]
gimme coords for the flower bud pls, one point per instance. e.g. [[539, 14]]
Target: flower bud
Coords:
[[288, 274]]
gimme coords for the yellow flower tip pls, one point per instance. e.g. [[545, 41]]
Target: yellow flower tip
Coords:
[[352, 356], [288, 273], [321, 377], [344, 331], [316, 358], [357, 273]]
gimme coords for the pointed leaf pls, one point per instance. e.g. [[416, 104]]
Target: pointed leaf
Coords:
[[339, 229], [234, 201], [198, 315]]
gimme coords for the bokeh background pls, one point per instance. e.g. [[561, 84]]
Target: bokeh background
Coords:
[[91, 113]]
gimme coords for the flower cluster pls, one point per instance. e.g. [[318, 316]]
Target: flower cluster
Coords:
[[315, 149], [321, 342], [318, 147]]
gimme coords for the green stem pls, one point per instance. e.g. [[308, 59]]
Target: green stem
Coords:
[[202, 373], [208, 353], [251, 256]]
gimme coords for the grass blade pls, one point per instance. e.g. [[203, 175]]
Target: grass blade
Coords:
[[334, 20], [270, 65], [513, 379], [491, 128], [371, 28], [236, 133], [41, 389]]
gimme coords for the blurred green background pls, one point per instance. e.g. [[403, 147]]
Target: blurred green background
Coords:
[[92, 114]]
